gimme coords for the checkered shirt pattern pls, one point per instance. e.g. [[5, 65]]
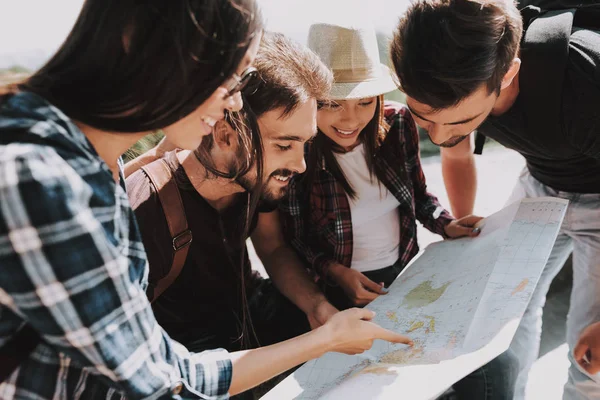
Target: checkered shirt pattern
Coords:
[[73, 267], [321, 229]]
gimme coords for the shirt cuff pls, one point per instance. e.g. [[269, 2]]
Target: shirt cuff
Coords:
[[214, 372], [442, 221]]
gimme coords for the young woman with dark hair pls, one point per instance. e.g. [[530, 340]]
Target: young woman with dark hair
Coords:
[[74, 318], [352, 216]]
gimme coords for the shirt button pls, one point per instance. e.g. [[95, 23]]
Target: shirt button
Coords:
[[177, 388]]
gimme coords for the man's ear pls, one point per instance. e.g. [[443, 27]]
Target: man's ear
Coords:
[[511, 73], [224, 136]]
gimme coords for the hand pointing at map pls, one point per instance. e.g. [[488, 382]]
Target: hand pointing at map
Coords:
[[351, 332]]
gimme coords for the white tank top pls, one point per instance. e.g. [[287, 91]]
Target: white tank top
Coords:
[[375, 218]]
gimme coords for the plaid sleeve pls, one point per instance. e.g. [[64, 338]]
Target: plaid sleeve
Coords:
[[428, 210], [293, 219], [66, 273]]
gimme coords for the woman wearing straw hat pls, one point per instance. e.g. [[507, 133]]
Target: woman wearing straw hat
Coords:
[[352, 215]]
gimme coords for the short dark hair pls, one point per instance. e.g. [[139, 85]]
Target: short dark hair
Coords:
[[132, 66], [445, 50], [289, 75]]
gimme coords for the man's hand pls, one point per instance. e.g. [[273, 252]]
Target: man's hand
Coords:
[[322, 312], [587, 350], [359, 289], [351, 332], [465, 226]]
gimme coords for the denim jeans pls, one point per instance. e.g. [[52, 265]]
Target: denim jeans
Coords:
[[580, 234], [494, 381]]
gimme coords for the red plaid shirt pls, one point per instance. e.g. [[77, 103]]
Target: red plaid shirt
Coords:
[[321, 230]]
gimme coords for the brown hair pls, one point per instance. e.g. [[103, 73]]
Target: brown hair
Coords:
[[131, 66], [444, 50], [323, 149], [289, 75]]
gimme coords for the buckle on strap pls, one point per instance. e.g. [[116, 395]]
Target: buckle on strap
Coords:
[[182, 240]]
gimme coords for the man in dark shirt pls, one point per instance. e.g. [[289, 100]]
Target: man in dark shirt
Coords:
[[217, 300], [461, 66]]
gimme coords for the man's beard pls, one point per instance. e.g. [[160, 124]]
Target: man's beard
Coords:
[[269, 197], [453, 141]]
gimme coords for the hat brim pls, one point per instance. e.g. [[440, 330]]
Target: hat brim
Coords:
[[385, 83]]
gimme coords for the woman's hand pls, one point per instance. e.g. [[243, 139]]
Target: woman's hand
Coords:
[[351, 332], [348, 332], [465, 226], [359, 289]]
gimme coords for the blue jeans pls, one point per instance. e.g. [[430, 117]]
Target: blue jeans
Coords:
[[580, 234], [494, 381]]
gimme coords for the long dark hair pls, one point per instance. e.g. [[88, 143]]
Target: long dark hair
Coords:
[[323, 149], [131, 66]]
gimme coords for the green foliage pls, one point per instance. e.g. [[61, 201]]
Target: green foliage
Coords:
[[13, 75], [16, 69], [143, 145]]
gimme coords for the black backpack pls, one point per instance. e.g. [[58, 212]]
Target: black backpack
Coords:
[[547, 30]]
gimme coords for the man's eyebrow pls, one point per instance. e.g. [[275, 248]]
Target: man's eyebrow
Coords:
[[464, 121], [292, 138], [419, 116]]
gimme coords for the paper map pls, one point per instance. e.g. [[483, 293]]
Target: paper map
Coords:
[[459, 300]]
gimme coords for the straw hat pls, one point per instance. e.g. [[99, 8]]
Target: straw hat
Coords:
[[351, 52]]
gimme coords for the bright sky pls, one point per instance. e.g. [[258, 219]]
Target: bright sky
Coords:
[[35, 24], [38, 27]]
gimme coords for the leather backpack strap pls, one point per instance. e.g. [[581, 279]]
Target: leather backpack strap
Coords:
[[170, 199]]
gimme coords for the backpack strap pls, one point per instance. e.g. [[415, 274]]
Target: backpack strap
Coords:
[[545, 50], [479, 142], [161, 177]]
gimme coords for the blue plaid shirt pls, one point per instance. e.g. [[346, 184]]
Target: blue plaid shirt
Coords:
[[73, 267]]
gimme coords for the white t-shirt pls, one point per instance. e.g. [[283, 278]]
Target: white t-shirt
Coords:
[[375, 218]]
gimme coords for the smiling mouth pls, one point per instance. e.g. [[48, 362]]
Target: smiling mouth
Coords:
[[345, 132], [281, 178]]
